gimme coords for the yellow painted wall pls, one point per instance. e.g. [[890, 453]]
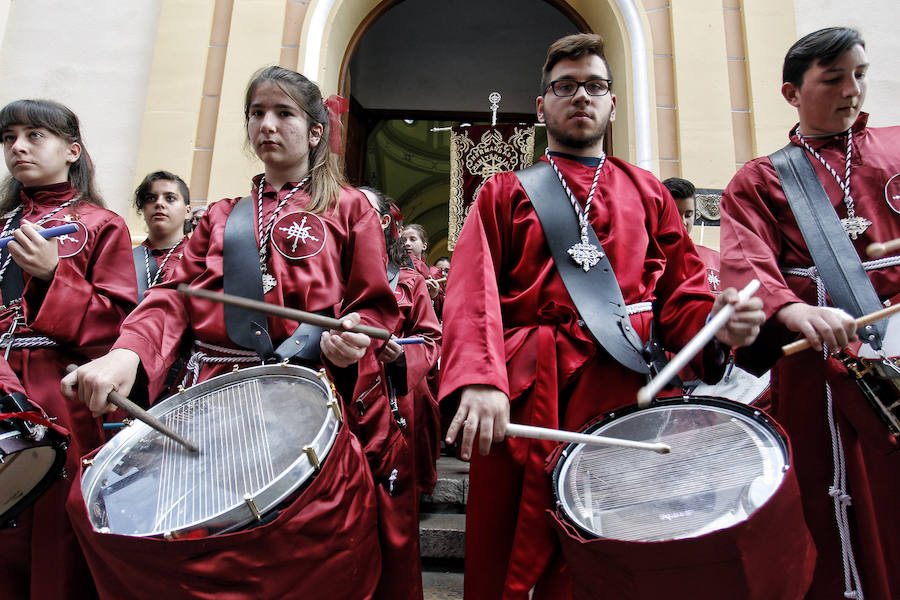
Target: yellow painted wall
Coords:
[[174, 94], [702, 92], [769, 30]]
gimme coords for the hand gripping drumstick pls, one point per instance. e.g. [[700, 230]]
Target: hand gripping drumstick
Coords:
[[879, 249], [45, 233], [133, 410], [649, 391], [884, 313], [282, 311], [559, 435]]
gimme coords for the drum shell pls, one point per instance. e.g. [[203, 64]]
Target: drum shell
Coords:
[[308, 548], [769, 556]]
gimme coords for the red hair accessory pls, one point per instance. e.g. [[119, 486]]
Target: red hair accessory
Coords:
[[336, 106], [396, 221]]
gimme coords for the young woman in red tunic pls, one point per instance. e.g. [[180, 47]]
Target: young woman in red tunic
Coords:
[[163, 199], [63, 300], [320, 250], [411, 375]]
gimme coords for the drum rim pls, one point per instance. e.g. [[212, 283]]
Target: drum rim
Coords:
[[298, 474], [684, 400], [55, 472]]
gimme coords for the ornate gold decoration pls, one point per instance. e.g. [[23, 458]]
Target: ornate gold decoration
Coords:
[[491, 155]]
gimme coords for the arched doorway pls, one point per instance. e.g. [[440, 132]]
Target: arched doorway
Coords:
[[424, 60]]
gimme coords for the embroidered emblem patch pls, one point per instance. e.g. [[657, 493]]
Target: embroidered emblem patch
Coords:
[[892, 193], [69, 244], [399, 295], [299, 235], [712, 278]]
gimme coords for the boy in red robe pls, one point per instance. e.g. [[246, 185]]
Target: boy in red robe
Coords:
[[822, 410]]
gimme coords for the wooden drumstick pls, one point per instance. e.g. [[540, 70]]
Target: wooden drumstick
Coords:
[[649, 391], [560, 435], [879, 249], [133, 410], [282, 311], [884, 313]]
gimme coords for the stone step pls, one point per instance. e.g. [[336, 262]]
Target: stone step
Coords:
[[452, 488], [442, 585], [442, 535]]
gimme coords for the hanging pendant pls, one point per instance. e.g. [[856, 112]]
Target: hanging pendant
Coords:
[[585, 255], [855, 225], [269, 282]]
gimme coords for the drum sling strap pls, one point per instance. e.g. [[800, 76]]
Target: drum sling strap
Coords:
[[832, 252], [142, 258], [243, 277], [596, 293], [13, 285]]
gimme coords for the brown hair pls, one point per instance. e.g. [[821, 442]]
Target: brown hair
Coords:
[[573, 47], [59, 120], [326, 173]]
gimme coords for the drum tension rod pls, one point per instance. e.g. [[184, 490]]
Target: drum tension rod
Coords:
[[251, 504], [312, 456]]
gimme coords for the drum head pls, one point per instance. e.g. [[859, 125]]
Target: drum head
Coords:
[[23, 470], [726, 461], [251, 427]]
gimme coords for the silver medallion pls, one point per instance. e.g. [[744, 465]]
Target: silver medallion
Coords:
[[269, 282], [855, 226], [585, 255]]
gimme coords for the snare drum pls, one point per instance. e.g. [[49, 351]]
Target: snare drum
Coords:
[[718, 517], [278, 497], [32, 455]]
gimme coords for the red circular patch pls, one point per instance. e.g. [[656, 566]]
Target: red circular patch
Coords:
[[69, 244], [299, 235], [399, 295]]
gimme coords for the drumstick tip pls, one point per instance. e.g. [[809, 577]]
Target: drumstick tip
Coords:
[[876, 250], [644, 397]]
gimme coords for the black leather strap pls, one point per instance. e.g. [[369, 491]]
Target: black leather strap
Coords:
[[596, 294], [13, 285], [393, 275], [142, 258], [835, 257], [242, 277]]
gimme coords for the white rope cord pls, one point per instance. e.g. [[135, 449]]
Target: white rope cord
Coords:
[[198, 358], [639, 307], [18, 343], [838, 490], [843, 183]]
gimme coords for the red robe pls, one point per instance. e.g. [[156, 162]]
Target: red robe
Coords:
[[412, 377], [511, 324], [711, 259], [167, 266], [334, 259], [760, 238], [431, 272], [81, 308]]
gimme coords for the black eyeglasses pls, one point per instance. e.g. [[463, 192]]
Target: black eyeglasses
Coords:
[[565, 88]]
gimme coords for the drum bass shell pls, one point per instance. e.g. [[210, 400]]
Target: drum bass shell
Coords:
[[770, 556], [29, 467]]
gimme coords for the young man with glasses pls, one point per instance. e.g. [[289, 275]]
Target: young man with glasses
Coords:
[[515, 345]]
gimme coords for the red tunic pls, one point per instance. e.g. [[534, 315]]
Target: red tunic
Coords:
[[431, 272], [341, 253], [511, 324], [711, 259], [761, 238], [81, 308], [323, 262], [164, 261], [413, 378]]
